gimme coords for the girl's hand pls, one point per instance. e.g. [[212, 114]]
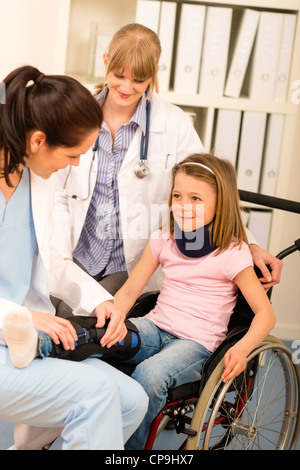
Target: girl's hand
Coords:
[[235, 362], [59, 329], [116, 330]]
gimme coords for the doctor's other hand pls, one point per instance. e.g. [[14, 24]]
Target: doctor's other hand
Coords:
[[262, 259], [59, 329], [116, 330]]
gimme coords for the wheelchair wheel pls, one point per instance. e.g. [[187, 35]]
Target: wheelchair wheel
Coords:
[[257, 410]]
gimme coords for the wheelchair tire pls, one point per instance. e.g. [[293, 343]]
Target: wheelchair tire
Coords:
[[262, 413]]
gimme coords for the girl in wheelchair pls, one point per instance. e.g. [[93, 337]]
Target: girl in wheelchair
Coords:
[[205, 258]]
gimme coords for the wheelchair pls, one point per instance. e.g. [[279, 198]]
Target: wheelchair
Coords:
[[259, 409]]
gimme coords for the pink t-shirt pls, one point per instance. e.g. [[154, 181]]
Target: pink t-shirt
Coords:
[[198, 295]]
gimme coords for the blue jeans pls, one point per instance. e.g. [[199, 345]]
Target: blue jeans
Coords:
[[179, 361], [45, 344]]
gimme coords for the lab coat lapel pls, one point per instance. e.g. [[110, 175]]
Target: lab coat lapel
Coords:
[[133, 152], [40, 202]]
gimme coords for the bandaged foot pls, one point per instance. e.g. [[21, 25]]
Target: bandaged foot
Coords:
[[21, 337]]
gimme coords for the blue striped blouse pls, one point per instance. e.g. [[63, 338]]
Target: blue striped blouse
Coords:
[[100, 246]]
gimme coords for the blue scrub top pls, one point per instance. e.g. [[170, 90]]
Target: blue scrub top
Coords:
[[17, 242]]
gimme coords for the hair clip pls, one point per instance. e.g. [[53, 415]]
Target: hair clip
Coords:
[[38, 80]]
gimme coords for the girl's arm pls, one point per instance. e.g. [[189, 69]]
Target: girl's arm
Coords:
[[124, 299], [130, 291], [261, 325]]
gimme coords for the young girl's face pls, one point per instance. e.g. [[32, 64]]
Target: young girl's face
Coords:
[[124, 89], [194, 202]]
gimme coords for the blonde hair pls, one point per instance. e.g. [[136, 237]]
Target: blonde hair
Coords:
[[138, 47], [228, 226]]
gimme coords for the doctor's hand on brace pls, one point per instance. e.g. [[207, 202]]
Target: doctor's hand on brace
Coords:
[[59, 329], [116, 330]]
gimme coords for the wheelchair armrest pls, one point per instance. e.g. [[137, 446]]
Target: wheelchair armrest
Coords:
[[143, 305]]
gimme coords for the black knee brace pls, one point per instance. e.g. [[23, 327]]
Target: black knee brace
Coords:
[[88, 343]]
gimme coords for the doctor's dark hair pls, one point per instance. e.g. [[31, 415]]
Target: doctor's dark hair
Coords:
[[220, 174], [57, 105]]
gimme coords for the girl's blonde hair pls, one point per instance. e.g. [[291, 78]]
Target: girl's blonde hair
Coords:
[[138, 47], [228, 226]]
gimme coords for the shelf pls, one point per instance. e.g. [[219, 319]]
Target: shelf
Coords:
[[217, 102], [244, 104]]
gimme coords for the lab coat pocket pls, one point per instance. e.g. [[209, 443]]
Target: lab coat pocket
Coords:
[[165, 162]]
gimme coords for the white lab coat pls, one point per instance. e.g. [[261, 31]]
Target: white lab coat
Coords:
[[172, 138], [51, 273]]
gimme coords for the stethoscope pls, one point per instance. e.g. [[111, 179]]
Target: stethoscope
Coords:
[[141, 170], [74, 196]]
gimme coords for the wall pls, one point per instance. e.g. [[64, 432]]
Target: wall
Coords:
[[33, 32]]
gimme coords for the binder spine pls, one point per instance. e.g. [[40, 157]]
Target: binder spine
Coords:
[[215, 51], [189, 48], [241, 54], [166, 36], [265, 57], [285, 57]]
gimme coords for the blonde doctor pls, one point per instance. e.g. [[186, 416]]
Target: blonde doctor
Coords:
[[107, 207], [46, 124]]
